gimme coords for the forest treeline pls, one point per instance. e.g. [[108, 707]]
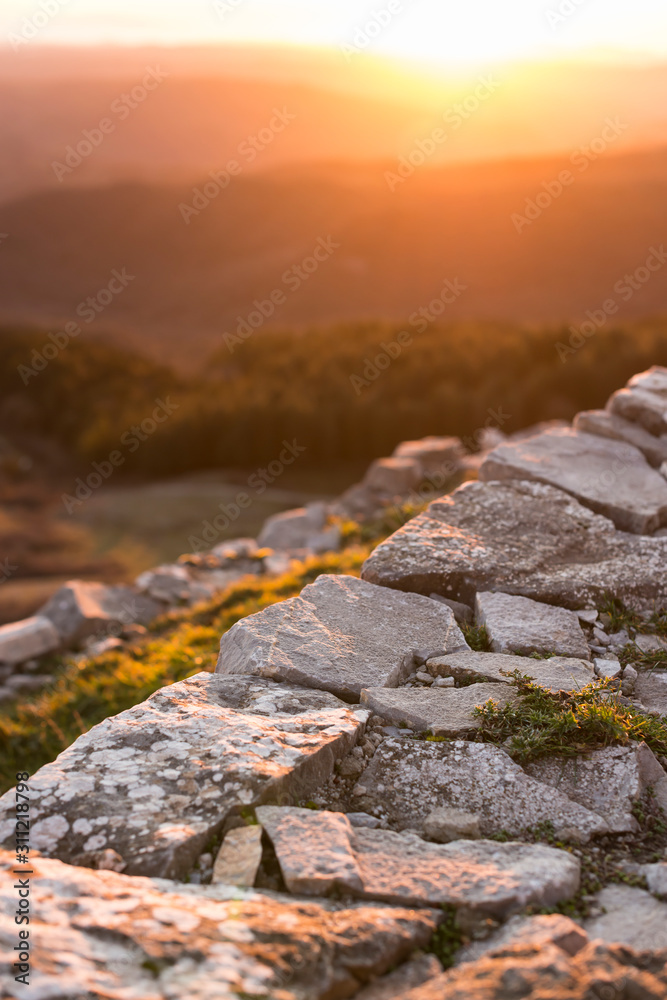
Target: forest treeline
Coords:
[[347, 392]]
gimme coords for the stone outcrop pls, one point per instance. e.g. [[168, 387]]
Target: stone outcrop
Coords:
[[521, 538], [156, 782], [27, 639], [609, 476], [555, 673], [80, 610], [393, 476], [322, 852], [304, 528], [340, 635], [521, 625], [405, 781], [610, 425], [629, 917], [101, 934], [442, 711], [437, 456]]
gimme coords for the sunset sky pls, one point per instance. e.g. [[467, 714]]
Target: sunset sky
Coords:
[[437, 31]]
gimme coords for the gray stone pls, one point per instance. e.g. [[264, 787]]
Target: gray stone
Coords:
[[534, 971], [341, 634], [156, 782], [393, 476], [632, 917], [610, 425], [444, 711], [239, 857], [405, 782], [607, 669], [610, 477], [463, 614], [363, 819], [26, 639], [395, 984], [556, 673], [654, 379], [650, 643], [320, 852], [79, 610], [607, 782], [521, 538], [554, 929], [651, 690], [521, 625], [101, 934], [303, 528], [436, 455], [656, 878], [589, 616], [445, 824], [648, 409]]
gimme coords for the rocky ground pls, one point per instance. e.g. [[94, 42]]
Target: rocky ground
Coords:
[[446, 779]]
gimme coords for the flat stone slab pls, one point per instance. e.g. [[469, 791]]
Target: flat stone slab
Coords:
[[553, 929], [520, 625], [341, 635], [156, 782], [611, 477], [608, 782], [319, 852], [633, 917], [556, 673], [100, 934], [521, 538], [27, 639], [651, 690], [656, 878], [442, 711], [396, 984], [239, 857], [644, 400], [406, 780], [535, 971], [393, 476], [610, 425], [436, 455], [80, 610]]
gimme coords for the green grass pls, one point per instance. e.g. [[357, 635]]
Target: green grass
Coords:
[[477, 637], [35, 730], [447, 939], [566, 724]]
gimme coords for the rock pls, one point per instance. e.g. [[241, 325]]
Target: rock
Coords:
[[443, 712], [395, 984], [340, 635], [521, 538], [651, 690], [19, 682], [303, 528], [521, 625], [26, 639], [607, 669], [538, 972], [103, 934], [608, 782], [439, 456], [363, 819], [654, 379], [656, 878], [179, 584], [630, 917], [650, 643], [446, 824], [405, 782], [445, 682], [587, 616], [239, 857], [236, 548], [393, 476], [80, 609], [99, 648], [610, 477], [553, 929], [320, 852], [648, 409], [556, 673], [463, 614], [156, 782], [610, 425]]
